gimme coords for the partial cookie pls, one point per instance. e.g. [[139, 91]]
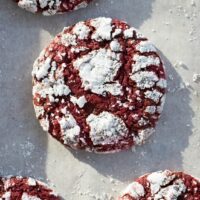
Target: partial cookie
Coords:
[[18, 188], [51, 7], [163, 185], [99, 86]]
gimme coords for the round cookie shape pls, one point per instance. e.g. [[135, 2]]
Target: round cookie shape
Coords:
[[99, 86], [51, 7], [166, 185], [12, 188]]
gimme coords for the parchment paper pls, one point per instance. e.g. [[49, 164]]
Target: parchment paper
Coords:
[[26, 150]]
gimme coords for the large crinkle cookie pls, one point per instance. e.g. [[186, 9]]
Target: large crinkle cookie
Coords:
[[19, 188], [99, 86], [163, 185], [51, 7]]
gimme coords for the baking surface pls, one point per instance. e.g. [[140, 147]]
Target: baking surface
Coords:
[[173, 26]]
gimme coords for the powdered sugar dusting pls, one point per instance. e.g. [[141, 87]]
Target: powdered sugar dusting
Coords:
[[135, 190], [39, 111], [128, 33], [115, 46], [81, 5], [144, 79], [81, 101], [143, 135], [145, 46], [6, 196], [69, 128], [25, 196], [103, 28], [47, 89], [171, 192], [158, 180], [150, 109], [33, 6], [41, 68], [162, 83], [166, 185], [106, 128], [153, 95], [69, 39], [30, 5], [51, 7], [142, 62], [44, 123], [24, 188], [81, 30], [31, 182], [97, 68]]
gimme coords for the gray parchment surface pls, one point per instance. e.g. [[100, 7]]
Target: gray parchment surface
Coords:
[[26, 150]]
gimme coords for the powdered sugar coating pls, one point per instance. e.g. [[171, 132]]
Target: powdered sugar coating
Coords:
[[135, 189], [26, 196], [166, 185], [98, 69], [69, 128], [142, 62], [51, 7], [103, 28], [106, 128], [12, 188], [145, 79], [99, 86], [145, 47]]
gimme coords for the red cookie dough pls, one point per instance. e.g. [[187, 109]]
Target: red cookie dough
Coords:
[[163, 185], [19, 188], [51, 7], [99, 86]]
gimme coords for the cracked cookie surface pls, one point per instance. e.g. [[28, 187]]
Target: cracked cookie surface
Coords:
[[19, 188], [99, 86], [51, 7], [163, 185]]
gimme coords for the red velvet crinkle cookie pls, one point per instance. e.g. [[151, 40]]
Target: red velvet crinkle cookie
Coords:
[[99, 86], [51, 7], [18, 188], [163, 185]]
